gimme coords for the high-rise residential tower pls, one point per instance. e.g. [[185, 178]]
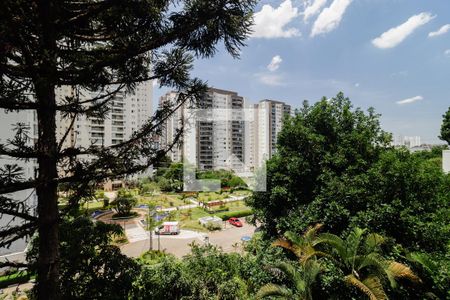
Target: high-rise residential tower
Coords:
[[212, 144], [268, 121], [127, 114]]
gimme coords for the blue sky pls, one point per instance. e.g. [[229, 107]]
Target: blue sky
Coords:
[[393, 55]]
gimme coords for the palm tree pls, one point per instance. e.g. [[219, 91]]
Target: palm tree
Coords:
[[304, 246], [302, 280], [359, 257]]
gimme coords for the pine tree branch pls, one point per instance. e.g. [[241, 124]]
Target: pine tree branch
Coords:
[[12, 234]]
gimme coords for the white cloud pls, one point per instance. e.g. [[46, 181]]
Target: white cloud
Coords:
[[410, 100], [330, 17], [313, 8], [357, 84], [396, 35], [270, 22], [400, 74], [270, 79], [447, 52], [274, 63], [443, 30]]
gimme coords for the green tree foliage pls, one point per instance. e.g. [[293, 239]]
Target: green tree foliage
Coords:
[[434, 270], [227, 178], [96, 49], [124, 203], [445, 127], [205, 274], [321, 145], [170, 179], [302, 280], [359, 257], [334, 166], [358, 260], [91, 268]]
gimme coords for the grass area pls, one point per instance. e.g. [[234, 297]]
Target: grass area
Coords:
[[242, 193], [88, 207], [164, 200], [189, 220], [211, 196], [18, 277]]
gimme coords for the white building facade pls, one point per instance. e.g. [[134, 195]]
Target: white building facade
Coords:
[[127, 114], [242, 144], [269, 116]]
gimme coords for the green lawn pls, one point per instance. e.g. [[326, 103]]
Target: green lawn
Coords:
[[191, 222], [89, 207], [164, 200]]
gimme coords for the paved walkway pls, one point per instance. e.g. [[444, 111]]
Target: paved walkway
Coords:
[[229, 239], [135, 233]]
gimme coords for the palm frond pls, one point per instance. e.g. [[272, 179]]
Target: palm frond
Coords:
[[424, 260], [397, 270], [274, 290], [371, 286], [333, 241], [373, 241], [294, 238], [310, 271], [311, 232], [372, 259], [288, 245], [354, 240], [312, 253]]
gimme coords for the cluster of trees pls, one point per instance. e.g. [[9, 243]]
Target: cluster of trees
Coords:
[[335, 166], [124, 203], [97, 49], [340, 173], [170, 178], [313, 265]]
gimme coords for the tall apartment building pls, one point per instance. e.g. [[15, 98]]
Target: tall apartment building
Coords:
[[128, 113], [407, 141], [239, 144], [29, 169], [211, 144], [268, 121], [171, 126]]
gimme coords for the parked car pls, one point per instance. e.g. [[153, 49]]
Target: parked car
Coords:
[[235, 222]]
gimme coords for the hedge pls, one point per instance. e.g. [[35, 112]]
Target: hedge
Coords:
[[235, 214], [19, 277]]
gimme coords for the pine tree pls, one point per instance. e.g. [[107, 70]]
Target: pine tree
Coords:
[[101, 46]]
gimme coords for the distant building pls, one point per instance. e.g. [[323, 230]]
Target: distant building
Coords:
[[407, 141], [128, 113], [267, 125], [220, 144], [29, 169], [171, 126], [242, 145], [446, 161]]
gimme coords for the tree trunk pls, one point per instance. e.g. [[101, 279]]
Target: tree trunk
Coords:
[[48, 260], [48, 214]]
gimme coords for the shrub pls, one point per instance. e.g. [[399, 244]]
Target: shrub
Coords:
[[213, 226], [16, 278], [235, 214], [124, 203]]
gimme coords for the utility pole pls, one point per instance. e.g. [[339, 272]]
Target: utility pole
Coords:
[[159, 242], [150, 231]]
